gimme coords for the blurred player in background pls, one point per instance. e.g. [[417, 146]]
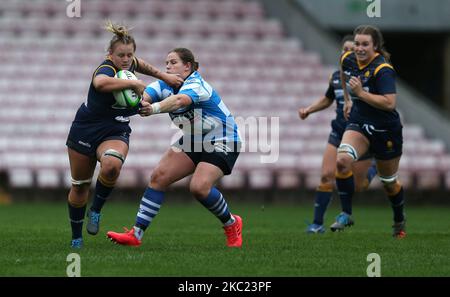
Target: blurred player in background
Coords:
[[363, 170], [208, 148], [374, 125], [100, 132]]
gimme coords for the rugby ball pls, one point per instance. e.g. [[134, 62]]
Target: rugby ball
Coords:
[[126, 98]]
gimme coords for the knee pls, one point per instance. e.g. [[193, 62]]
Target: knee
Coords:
[[327, 178], [110, 169], [78, 195], [200, 188], [392, 188], [343, 164], [391, 184]]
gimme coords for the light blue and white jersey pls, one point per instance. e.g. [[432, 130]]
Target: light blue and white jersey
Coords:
[[207, 118]]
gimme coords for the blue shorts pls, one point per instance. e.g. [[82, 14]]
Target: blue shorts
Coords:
[[335, 138], [88, 132], [385, 142], [222, 155]]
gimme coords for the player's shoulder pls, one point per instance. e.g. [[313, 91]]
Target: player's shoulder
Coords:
[[195, 77], [106, 67], [107, 62], [380, 65], [335, 75], [348, 56]]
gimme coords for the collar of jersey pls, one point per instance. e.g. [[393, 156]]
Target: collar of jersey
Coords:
[[362, 66]]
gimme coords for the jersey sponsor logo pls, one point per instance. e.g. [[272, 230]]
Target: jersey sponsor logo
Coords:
[[122, 119], [84, 143], [371, 128]]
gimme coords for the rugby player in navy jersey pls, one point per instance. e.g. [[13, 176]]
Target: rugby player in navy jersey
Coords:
[[374, 125], [208, 148], [364, 170], [100, 131]]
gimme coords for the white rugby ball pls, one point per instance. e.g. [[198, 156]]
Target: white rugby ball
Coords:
[[126, 98]]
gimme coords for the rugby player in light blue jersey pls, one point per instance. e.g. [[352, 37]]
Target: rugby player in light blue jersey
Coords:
[[208, 148], [100, 131], [374, 125]]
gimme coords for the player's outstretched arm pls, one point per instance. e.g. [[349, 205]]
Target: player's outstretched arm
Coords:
[[148, 69], [317, 105], [171, 103]]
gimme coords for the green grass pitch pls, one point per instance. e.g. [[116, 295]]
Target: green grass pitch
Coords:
[[186, 240]]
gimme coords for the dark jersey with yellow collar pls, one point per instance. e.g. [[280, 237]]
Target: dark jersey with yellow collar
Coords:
[[377, 77], [102, 104]]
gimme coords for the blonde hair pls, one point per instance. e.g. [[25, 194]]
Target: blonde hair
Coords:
[[121, 34]]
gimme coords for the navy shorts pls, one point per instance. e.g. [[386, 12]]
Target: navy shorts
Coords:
[[337, 130], [221, 154], [87, 132], [385, 142], [335, 138]]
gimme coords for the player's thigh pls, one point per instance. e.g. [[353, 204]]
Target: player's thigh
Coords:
[[357, 140], [329, 161], [81, 166], [206, 175], [114, 144], [173, 166], [388, 168], [360, 169]]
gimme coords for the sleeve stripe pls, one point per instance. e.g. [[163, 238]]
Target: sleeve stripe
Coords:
[[95, 73], [345, 55], [381, 66]]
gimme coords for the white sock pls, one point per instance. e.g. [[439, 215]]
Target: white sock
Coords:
[[138, 232], [230, 221]]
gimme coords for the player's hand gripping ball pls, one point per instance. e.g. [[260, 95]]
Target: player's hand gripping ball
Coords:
[[126, 98]]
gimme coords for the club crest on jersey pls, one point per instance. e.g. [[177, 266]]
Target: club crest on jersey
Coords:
[[389, 144]]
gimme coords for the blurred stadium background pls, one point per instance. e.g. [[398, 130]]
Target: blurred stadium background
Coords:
[[266, 58]]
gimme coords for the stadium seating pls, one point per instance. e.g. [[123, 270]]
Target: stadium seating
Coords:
[[258, 70]]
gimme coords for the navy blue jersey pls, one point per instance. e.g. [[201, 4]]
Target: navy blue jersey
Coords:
[[377, 77], [336, 93], [102, 104]]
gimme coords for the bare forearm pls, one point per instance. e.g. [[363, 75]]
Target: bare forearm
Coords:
[[110, 84], [384, 102], [148, 69], [319, 105], [171, 103]]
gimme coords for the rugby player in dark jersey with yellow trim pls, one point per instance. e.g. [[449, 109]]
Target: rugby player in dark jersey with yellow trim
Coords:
[[100, 131], [374, 124], [363, 170]]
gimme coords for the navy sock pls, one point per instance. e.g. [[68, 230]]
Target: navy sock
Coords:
[[397, 203], [76, 215], [321, 202], [217, 205], [100, 195], [346, 188], [149, 207]]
